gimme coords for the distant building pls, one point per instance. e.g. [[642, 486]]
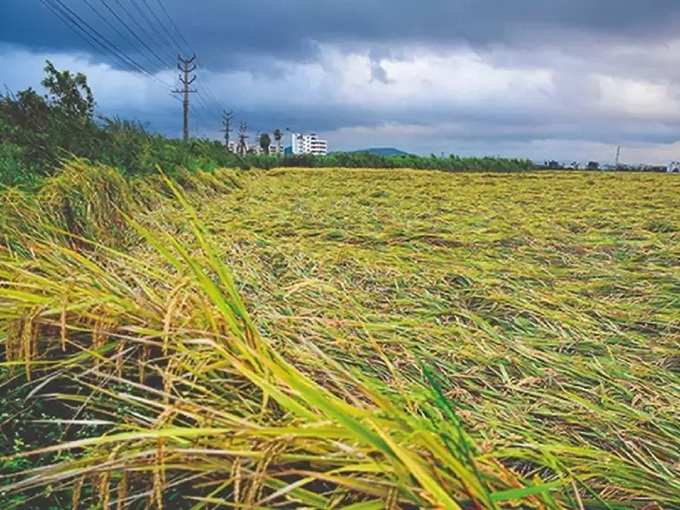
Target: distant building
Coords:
[[309, 144], [276, 150], [254, 148], [235, 147], [273, 150], [673, 167]]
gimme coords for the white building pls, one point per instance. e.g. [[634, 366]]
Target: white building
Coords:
[[253, 149], [276, 150], [309, 144]]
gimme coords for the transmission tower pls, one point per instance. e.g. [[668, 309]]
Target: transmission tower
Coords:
[[242, 139], [227, 117], [186, 66]]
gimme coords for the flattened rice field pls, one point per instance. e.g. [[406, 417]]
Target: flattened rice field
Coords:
[[483, 341]]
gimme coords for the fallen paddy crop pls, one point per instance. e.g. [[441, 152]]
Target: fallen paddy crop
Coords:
[[350, 339]]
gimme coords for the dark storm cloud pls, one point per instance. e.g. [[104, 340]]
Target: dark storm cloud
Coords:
[[230, 33], [483, 75]]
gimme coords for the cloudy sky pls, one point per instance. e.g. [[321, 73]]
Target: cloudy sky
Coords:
[[562, 79]]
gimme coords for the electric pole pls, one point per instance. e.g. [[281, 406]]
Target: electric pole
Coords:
[[242, 137], [186, 66], [227, 117]]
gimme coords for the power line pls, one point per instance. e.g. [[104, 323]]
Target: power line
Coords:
[[162, 25], [97, 42], [212, 96], [74, 20], [151, 51], [104, 19], [201, 114], [174, 26], [206, 106], [143, 31], [133, 33], [152, 28], [79, 32], [144, 45], [210, 91], [202, 100]]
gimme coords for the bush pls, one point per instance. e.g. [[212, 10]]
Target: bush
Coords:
[[39, 133], [13, 169]]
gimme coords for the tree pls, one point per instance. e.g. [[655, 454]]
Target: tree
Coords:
[[278, 136], [48, 127], [69, 93], [265, 142]]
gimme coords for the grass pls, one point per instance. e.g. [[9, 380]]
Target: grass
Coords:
[[345, 339]]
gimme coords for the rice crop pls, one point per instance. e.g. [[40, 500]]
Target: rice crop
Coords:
[[343, 339]]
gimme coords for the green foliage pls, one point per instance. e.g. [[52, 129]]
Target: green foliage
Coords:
[[265, 142], [70, 93], [48, 127], [13, 169], [134, 151], [37, 133], [448, 164]]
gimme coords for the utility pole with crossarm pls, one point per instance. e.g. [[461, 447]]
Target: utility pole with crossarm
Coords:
[[186, 66], [243, 139], [227, 117]]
